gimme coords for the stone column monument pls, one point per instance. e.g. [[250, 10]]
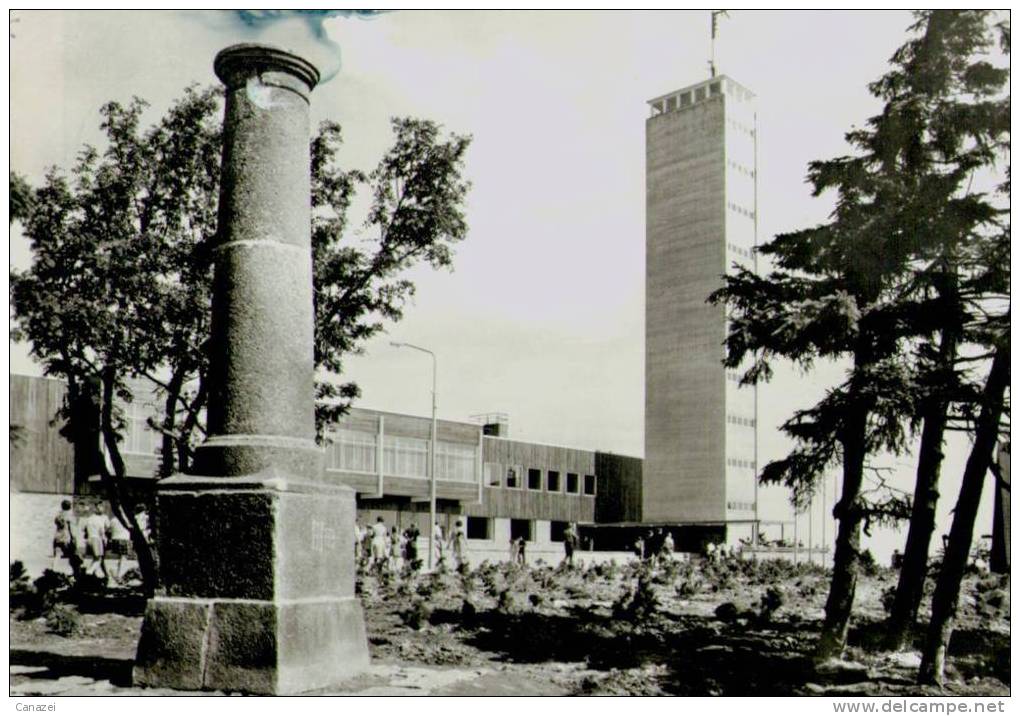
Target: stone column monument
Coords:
[[256, 560]]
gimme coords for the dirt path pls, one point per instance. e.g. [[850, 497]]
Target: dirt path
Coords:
[[606, 630]]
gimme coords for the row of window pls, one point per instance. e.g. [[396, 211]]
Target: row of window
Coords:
[[686, 99], [739, 209], [735, 462], [481, 528], [740, 420], [747, 253], [742, 506], [741, 127], [356, 451], [515, 477], [740, 168]]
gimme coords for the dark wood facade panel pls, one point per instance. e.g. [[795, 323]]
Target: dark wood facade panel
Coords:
[[41, 460], [542, 457], [532, 505], [618, 488]]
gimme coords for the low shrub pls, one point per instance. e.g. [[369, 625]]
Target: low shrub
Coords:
[[505, 602], [727, 612], [771, 601], [417, 616], [606, 570], [63, 620], [20, 583], [640, 603]]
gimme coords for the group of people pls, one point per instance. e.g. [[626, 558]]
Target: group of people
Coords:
[[88, 536], [655, 543], [381, 548]]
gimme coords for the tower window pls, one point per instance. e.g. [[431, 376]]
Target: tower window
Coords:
[[714, 89], [699, 94], [685, 99]]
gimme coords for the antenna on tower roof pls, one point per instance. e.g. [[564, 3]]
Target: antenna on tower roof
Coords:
[[716, 14]]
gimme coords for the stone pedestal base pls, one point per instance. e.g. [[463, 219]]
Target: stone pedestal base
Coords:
[[254, 646], [256, 587]]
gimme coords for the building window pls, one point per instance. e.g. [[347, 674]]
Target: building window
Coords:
[[740, 420], [405, 457], [513, 476], [456, 461], [671, 104], [572, 483], [556, 530], [699, 94], [589, 484], [493, 474], [714, 89], [522, 528], [479, 528], [352, 451], [552, 482], [534, 479], [685, 99], [139, 438]]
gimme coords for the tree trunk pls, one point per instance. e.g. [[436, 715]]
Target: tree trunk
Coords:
[[848, 541], [184, 452], [121, 502], [167, 451], [82, 431], [914, 571], [947, 588]]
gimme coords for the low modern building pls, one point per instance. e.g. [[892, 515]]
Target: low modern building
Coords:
[[502, 488]]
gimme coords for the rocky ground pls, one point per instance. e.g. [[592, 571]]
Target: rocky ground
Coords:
[[699, 628]]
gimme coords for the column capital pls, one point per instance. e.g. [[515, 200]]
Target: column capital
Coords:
[[235, 64]]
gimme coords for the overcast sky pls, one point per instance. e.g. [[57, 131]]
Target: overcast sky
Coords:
[[542, 316]]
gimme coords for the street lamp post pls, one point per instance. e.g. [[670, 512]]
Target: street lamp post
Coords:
[[432, 451]]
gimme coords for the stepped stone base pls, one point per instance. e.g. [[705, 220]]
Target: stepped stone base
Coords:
[[256, 587], [252, 646]]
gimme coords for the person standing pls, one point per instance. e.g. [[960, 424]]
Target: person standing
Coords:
[[569, 544], [639, 547], [437, 539], [668, 545], [65, 537], [120, 543], [396, 549], [521, 557], [378, 557], [97, 526], [458, 543], [411, 545]]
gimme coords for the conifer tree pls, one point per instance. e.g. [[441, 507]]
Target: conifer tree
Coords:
[[892, 284]]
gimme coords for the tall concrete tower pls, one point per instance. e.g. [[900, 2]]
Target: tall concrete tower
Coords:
[[701, 214]]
